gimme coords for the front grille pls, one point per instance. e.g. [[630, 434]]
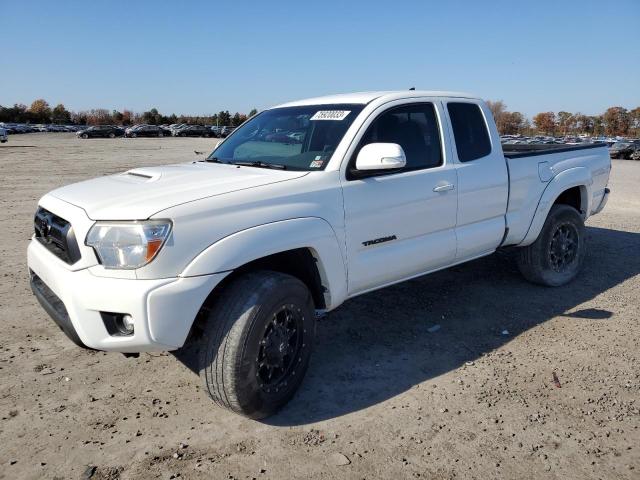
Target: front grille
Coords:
[[56, 235]]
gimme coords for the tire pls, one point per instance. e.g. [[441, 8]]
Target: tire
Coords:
[[160, 134], [246, 363], [85, 136], [112, 135], [557, 255], [134, 135]]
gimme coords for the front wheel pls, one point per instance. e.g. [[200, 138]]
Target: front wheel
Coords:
[[85, 136], [257, 342], [556, 257]]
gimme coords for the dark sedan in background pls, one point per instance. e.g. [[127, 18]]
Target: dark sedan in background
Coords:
[[147, 131], [193, 131], [101, 131], [624, 149]]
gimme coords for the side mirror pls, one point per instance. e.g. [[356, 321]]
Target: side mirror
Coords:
[[381, 156]]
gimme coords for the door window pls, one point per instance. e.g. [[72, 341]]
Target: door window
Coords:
[[415, 128]]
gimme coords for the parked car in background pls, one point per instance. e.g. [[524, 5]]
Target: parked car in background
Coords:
[[624, 149], [3, 136], [101, 131], [147, 131], [226, 131], [216, 131], [193, 131]]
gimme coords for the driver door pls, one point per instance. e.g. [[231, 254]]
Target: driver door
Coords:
[[401, 224]]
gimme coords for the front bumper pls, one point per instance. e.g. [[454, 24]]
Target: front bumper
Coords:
[[163, 310]]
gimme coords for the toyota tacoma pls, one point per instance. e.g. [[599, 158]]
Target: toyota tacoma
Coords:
[[306, 205]]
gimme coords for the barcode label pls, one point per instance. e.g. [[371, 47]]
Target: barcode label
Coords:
[[330, 115]]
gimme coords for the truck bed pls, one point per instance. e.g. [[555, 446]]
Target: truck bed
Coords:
[[529, 150], [533, 167]]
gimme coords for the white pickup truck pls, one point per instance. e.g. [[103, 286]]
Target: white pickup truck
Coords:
[[304, 206]]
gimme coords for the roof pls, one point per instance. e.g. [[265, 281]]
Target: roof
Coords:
[[366, 97]]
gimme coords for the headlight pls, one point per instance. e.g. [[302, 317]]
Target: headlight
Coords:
[[128, 245]]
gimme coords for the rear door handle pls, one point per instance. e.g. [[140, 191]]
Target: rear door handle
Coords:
[[444, 188]]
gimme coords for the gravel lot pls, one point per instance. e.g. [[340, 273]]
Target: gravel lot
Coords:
[[447, 376]]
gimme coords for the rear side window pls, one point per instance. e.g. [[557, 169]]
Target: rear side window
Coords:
[[469, 131]]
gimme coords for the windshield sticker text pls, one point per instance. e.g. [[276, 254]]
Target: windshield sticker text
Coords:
[[330, 115]]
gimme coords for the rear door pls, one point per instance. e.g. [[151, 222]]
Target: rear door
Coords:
[[401, 224], [483, 180]]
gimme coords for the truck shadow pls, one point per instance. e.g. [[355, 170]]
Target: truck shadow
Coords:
[[381, 344]]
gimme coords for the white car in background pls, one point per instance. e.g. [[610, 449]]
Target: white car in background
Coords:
[[3, 135]]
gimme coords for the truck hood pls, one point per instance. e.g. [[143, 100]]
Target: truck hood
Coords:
[[140, 193]]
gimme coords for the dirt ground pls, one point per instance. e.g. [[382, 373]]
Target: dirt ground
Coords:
[[446, 376]]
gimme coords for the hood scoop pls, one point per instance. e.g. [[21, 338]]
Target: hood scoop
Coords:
[[139, 175]]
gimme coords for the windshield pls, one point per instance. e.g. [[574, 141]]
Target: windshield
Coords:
[[296, 138], [621, 145]]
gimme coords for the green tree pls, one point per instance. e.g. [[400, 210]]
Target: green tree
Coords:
[[152, 117], [224, 118], [60, 115], [252, 112], [117, 117]]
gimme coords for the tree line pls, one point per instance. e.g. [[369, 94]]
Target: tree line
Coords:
[[41, 112], [614, 121]]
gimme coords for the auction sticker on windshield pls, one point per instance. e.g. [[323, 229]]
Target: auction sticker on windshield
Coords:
[[330, 115]]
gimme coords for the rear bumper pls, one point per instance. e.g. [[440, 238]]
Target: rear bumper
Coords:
[[163, 310]]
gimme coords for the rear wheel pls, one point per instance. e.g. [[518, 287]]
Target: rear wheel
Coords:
[[257, 342], [112, 135], [85, 136], [556, 257]]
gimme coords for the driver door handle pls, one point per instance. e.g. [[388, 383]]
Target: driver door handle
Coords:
[[444, 188]]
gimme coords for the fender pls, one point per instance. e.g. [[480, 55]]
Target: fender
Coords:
[[237, 249], [573, 177]]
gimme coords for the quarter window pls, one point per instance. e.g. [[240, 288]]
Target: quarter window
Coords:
[[469, 131], [415, 128]]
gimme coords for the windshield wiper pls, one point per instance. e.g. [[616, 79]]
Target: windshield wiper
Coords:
[[213, 160], [276, 166]]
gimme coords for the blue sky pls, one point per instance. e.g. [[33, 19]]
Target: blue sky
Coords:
[[197, 58]]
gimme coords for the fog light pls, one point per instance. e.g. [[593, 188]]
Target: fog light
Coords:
[[127, 323], [118, 324]]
